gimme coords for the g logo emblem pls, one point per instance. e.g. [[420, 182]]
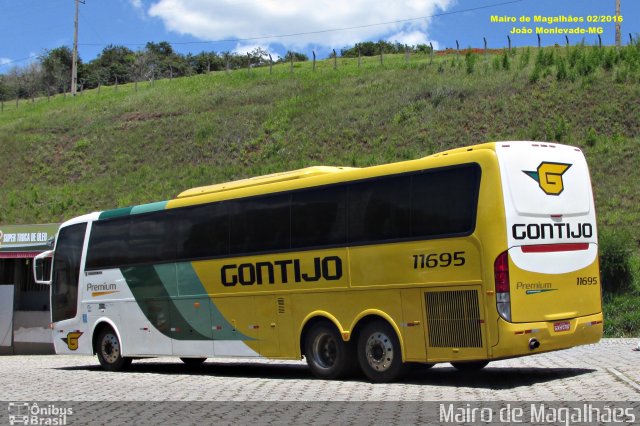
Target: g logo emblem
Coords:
[[549, 177], [72, 339]]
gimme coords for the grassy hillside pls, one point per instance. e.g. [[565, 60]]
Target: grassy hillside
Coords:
[[114, 148]]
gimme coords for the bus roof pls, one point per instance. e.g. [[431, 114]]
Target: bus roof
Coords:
[[194, 195], [263, 180], [299, 174]]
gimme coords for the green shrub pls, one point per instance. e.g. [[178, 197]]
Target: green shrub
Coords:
[[586, 64], [615, 261], [496, 63], [545, 57], [561, 73], [506, 64], [535, 75], [470, 60], [525, 57], [591, 138], [610, 59]]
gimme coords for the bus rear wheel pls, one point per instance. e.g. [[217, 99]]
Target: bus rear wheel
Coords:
[[108, 351], [328, 356], [470, 365], [379, 352]]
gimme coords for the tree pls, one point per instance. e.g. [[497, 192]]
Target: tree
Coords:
[[370, 48], [113, 64], [297, 57], [34, 79], [56, 69], [4, 88], [141, 67], [205, 61], [165, 62]]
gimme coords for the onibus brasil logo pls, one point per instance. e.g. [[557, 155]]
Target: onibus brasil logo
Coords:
[[549, 176], [27, 413]]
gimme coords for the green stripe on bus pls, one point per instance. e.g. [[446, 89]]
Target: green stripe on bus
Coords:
[[191, 291], [151, 207], [155, 302], [125, 211]]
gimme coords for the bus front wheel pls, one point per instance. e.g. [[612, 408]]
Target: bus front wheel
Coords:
[[108, 350], [379, 352], [328, 356]]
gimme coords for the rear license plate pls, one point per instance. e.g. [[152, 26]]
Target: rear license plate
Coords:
[[561, 326]]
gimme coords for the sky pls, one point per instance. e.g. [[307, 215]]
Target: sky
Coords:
[[29, 28]]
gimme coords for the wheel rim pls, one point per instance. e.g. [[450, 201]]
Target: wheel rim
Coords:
[[325, 350], [379, 351], [110, 348]]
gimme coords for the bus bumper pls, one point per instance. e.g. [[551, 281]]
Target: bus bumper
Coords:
[[518, 339]]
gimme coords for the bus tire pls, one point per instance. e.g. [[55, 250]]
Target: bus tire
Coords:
[[328, 356], [470, 365], [108, 351], [379, 352], [192, 362]]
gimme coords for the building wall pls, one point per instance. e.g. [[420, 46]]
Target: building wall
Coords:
[[31, 332]]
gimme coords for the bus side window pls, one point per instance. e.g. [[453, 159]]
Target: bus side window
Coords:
[[379, 209]]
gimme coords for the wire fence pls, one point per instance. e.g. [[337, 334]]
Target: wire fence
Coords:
[[30, 88]]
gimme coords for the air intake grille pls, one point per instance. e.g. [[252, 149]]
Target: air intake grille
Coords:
[[453, 319]]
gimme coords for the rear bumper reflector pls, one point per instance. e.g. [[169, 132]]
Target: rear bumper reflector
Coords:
[[552, 248]]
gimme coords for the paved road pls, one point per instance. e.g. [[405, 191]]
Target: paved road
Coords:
[[608, 371]]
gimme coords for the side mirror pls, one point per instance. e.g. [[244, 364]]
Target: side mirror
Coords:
[[42, 267]]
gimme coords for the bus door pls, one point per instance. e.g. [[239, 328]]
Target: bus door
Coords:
[[69, 333]]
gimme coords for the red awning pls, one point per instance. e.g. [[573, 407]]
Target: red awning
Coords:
[[19, 254]]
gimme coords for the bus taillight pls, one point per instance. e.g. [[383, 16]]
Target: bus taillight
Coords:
[[503, 295]]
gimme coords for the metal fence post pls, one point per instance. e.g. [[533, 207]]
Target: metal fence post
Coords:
[[485, 48]]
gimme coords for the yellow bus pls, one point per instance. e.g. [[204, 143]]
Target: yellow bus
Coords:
[[466, 256]]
